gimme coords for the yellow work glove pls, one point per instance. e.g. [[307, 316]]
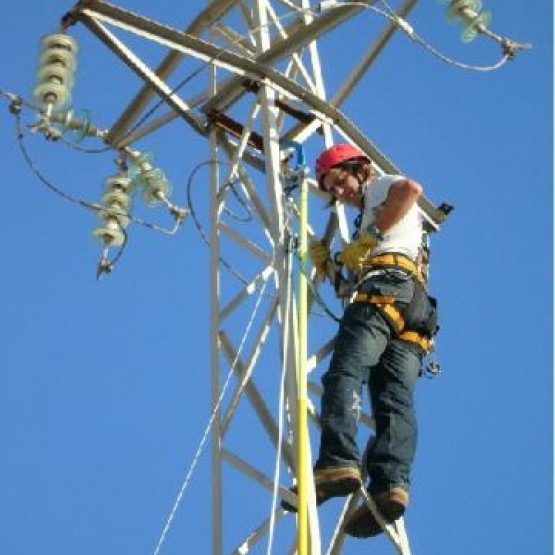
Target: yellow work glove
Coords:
[[320, 257], [357, 252]]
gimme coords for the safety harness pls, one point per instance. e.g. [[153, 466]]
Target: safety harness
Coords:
[[396, 261], [396, 316], [386, 303]]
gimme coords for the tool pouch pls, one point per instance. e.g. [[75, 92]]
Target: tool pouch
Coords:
[[421, 314]]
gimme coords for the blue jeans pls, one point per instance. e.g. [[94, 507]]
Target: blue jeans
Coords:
[[366, 352]]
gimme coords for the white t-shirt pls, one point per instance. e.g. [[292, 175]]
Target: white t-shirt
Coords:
[[406, 235]]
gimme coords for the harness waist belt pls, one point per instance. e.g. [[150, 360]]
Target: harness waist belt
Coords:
[[394, 260]]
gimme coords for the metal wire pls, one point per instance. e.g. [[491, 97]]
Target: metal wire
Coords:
[[75, 200], [505, 58], [197, 223], [231, 186], [411, 33], [390, 14], [84, 150], [157, 105]]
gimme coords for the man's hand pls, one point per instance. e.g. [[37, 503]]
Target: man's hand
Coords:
[[357, 252], [320, 257]]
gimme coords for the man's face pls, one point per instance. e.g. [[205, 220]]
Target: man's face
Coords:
[[343, 185]]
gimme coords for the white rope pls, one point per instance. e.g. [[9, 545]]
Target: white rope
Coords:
[[280, 418], [187, 479]]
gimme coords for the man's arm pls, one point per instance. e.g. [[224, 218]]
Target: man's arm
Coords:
[[400, 198]]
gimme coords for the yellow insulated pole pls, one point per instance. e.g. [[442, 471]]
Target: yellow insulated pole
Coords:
[[302, 401]]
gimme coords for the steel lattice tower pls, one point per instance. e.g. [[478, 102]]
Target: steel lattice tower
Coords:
[[266, 92]]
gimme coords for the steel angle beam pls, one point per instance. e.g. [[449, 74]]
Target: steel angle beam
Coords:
[[233, 89], [338, 537], [143, 71], [207, 17], [244, 293], [233, 38], [370, 56], [356, 75], [258, 533], [263, 413], [141, 130]]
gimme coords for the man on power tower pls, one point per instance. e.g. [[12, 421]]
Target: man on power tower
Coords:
[[382, 338]]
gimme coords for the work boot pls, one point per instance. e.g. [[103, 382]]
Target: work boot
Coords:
[[391, 504], [334, 481]]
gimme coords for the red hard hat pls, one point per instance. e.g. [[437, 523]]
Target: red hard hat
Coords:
[[335, 155]]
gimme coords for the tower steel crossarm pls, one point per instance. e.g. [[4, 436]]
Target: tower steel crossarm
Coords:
[[282, 48], [213, 12], [237, 64], [302, 131]]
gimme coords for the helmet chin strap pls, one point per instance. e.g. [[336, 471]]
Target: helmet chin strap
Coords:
[[361, 189]]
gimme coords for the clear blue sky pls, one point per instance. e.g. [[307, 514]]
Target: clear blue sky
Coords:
[[105, 385]]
